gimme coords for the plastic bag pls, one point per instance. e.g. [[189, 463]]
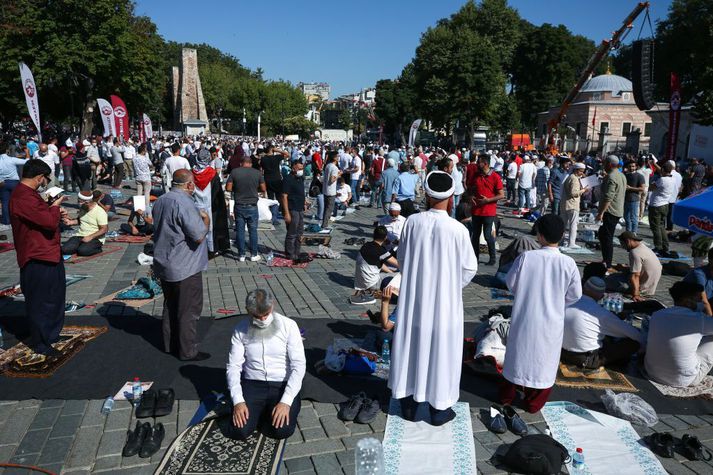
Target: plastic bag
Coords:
[[630, 407], [334, 361]]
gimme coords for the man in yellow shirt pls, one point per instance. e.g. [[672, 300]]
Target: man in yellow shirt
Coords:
[[93, 224]]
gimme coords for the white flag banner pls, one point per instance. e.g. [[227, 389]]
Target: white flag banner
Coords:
[[412, 132], [106, 111], [148, 128], [33, 106]]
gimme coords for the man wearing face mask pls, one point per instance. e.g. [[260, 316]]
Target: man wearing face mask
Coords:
[[180, 257], [265, 369], [35, 230], [394, 223], [93, 224], [680, 339], [293, 204]]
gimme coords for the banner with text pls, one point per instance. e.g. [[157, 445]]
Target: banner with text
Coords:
[[33, 105], [107, 114], [148, 127], [674, 117], [412, 132], [121, 117]]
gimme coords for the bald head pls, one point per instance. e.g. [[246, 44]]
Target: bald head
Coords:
[[182, 177], [43, 148]]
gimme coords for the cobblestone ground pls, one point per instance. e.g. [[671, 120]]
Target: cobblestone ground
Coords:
[[74, 437]]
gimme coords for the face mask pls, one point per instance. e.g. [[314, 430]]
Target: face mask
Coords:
[[263, 323], [299, 173]]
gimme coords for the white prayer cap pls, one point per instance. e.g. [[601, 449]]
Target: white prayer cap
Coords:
[[580, 166], [394, 207], [391, 162], [613, 159], [439, 185], [83, 197], [596, 284], [68, 143]]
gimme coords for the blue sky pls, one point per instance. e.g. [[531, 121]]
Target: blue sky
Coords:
[[349, 44]]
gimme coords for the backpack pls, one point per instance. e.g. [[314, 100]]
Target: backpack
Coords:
[[538, 454]]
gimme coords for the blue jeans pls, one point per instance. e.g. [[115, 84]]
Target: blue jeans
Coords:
[[631, 215], [5, 190], [456, 200], [523, 197], [355, 191], [320, 207], [246, 214], [339, 207]]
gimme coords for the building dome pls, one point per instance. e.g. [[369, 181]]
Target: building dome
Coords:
[[608, 83]]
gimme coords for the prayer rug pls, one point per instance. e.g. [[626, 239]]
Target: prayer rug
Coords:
[[501, 294], [133, 303], [6, 246], [581, 250], [203, 449], [282, 261], [420, 448], [15, 292], [704, 390], [610, 444], [680, 258], [21, 362], [130, 239], [571, 376], [105, 251]]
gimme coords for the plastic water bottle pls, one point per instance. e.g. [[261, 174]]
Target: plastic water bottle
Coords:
[[108, 405], [577, 462], [369, 457], [136, 390], [386, 352], [270, 258]]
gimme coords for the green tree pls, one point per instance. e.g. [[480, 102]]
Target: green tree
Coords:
[[299, 125]]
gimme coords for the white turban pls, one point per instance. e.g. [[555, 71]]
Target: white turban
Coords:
[[439, 195]]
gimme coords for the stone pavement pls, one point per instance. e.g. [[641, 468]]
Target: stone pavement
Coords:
[[74, 437]]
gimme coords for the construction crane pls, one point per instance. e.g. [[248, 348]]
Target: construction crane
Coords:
[[604, 48]]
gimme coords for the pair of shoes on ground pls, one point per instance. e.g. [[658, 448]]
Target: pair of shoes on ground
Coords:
[[355, 241], [439, 417], [359, 408], [254, 258], [504, 418], [664, 444], [144, 440], [362, 298], [155, 403]]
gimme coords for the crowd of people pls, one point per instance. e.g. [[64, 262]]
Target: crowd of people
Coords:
[[438, 205]]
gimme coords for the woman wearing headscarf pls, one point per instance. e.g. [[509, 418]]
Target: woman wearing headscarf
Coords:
[[209, 197]]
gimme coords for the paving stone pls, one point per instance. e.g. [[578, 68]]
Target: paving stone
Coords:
[[296, 438], [675, 468], [486, 438], [307, 419], [699, 466], [188, 406], [674, 422], [118, 419], [508, 437], [45, 418], [379, 424], [14, 428], [300, 464], [6, 409], [24, 459], [703, 433], [33, 441], [55, 450], [317, 447], [359, 429], [85, 446], [109, 463], [693, 421], [325, 409], [74, 407], [93, 415], [334, 427], [345, 457], [6, 451], [326, 464], [112, 443], [52, 403], [315, 433], [66, 426]]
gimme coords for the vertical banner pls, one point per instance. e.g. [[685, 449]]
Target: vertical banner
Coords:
[[121, 117], [107, 114], [148, 128], [142, 130], [28, 86], [412, 132], [594, 119], [674, 117]]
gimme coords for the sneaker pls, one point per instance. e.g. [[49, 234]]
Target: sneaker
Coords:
[[350, 409], [362, 299], [368, 411], [241, 258], [255, 258]]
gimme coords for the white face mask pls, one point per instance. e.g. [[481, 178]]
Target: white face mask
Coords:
[[299, 173], [263, 323]]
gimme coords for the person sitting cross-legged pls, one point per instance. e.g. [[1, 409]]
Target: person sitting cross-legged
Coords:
[[93, 224], [372, 260], [265, 369], [679, 348], [593, 336], [139, 223]]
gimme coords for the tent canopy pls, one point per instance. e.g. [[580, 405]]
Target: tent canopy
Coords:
[[696, 212]]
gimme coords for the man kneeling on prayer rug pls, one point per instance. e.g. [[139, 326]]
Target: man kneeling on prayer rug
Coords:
[[594, 336], [266, 366]]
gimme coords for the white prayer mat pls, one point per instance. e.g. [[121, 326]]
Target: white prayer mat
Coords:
[[680, 258], [420, 448], [610, 445], [703, 390], [580, 250]]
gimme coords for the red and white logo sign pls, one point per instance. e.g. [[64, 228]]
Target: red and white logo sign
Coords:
[[119, 112], [147, 121], [30, 88], [106, 110]]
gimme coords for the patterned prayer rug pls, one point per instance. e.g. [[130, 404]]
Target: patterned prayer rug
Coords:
[[106, 251], [704, 390], [571, 376], [130, 239], [203, 450], [15, 292], [21, 362]]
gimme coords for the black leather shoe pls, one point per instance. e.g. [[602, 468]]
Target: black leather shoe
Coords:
[[147, 404], [661, 444], [441, 416], [692, 449], [152, 442], [164, 402], [200, 356], [135, 439]]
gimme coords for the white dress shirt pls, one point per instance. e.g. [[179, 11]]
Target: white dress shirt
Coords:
[[586, 323], [279, 358]]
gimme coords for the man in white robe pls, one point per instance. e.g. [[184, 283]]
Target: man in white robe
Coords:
[[437, 261], [544, 282]]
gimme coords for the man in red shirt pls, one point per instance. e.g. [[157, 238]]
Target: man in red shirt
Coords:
[[487, 191], [377, 167], [35, 229], [471, 171]]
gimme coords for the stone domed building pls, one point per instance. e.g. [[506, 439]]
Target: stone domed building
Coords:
[[611, 98]]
